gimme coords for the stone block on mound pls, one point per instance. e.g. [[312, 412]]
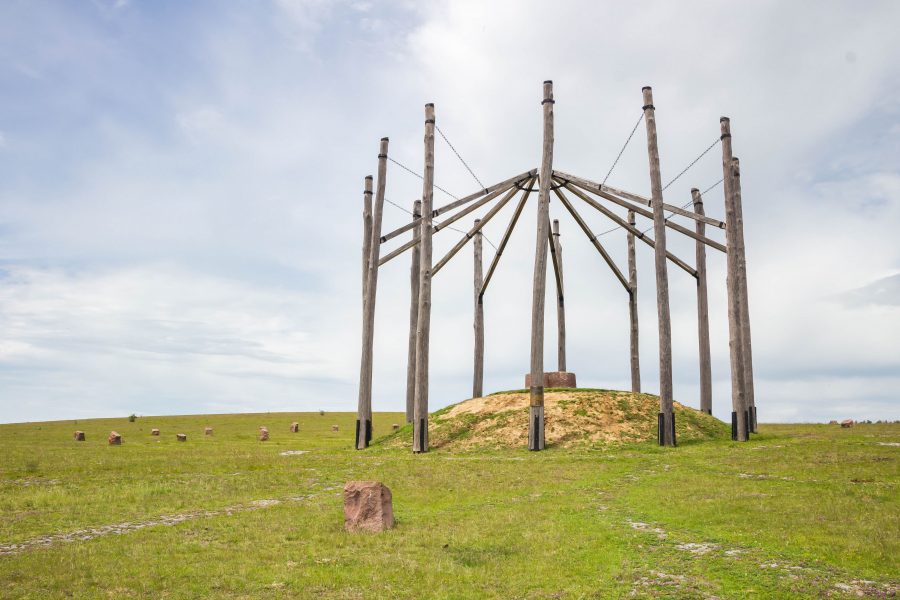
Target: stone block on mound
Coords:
[[554, 379], [154, 432], [368, 506], [79, 436], [114, 439], [181, 437]]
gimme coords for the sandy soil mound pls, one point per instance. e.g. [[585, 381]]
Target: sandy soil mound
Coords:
[[574, 417]]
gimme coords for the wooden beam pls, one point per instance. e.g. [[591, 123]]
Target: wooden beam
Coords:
[[593, 238], [476, 228], [732, 280], [666, 421], [622, 194], [423, 330], [630, 228], [702, 313], [497, 186], [536, 403], [364, 403], [560, 301], [555, 261], [633, 309], [647, 214], [749, 394], [413, 320], [506, 235], [478, 326], [443, 224], [367, 234]]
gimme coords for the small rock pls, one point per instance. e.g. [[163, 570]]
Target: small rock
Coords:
[[181, 437], [263, 434], [368, 506], [395, 426], [208, 431], [334, 427], [79, 436], [114, 439], [295, 427], [847, 423], [154, 432]]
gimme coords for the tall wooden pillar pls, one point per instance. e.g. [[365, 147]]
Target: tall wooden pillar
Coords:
[[364, 405], [423, 329], [367, 235], [560, 304], [536, 409], [666, 420], [478, 280], [747, 350], [702, 311], [633, 310], [739, 420], [413, 319]]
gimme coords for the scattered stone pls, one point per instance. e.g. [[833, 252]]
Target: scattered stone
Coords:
[[368, 506], [114, 439], [181, 437], [889, 443], [154, 432], [263, 434], [697, 549], [295, 427], [847, 423], [79, 436], [293, 452], [334, 427], [395, 426], [208, 431]]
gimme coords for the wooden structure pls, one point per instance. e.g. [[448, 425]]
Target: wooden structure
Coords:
[[552, 183]]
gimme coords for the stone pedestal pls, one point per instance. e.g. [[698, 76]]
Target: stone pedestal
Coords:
[[295, 427], [263, 434], [79, 436], [554, 379], [181, 437], [368, 506], [208, 431], [154, 432], [114, 439]]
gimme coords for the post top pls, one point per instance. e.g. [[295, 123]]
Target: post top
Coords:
[[646, 87], [548, 81], [556, 221], [384, 139], [368, 177], [429, 105], [724, 119], [695, 190]]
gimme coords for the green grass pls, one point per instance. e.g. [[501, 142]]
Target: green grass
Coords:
[[800, 511]]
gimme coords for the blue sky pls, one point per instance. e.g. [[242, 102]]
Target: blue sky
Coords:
[[180, 195]]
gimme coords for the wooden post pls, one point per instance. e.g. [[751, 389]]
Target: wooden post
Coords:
[[413, 319], [536, 410], [364, 405], [478, 374], [702, 312], [633, 310], [749, 395], [735, 341], [367, 234], [423, 329], [666, 418], [560, 302]]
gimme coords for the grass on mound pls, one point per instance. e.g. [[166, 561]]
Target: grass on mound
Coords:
[[574, 417]]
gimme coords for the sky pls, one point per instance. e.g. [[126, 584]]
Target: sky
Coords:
[[181, 196]]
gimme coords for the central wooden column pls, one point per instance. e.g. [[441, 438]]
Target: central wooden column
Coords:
[[560, 303], [666, 420], [423, 331], [413, 319], [702, 311], [370, 286], [478, 280], [747, 351], [536, 410], [633, 309]]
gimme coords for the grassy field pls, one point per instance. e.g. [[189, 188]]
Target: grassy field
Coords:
[[801, 511]]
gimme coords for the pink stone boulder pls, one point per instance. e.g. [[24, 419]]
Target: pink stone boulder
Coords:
[[395, 426], [368, 506], [208, 431], [114, 439], [181, 437], [554, 379], [79, 436], [295, 427], [263, 434], [154, 432], [334, 427], [847, 423]]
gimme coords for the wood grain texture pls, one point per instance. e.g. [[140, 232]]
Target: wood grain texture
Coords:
[[747, 350], [478, 325], [635, 354], [560, 301], [413, 320]]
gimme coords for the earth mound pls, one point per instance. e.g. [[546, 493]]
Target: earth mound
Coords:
[[573, 418]]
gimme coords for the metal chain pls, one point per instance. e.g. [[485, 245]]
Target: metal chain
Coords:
[[630, 135], [465, 164]]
